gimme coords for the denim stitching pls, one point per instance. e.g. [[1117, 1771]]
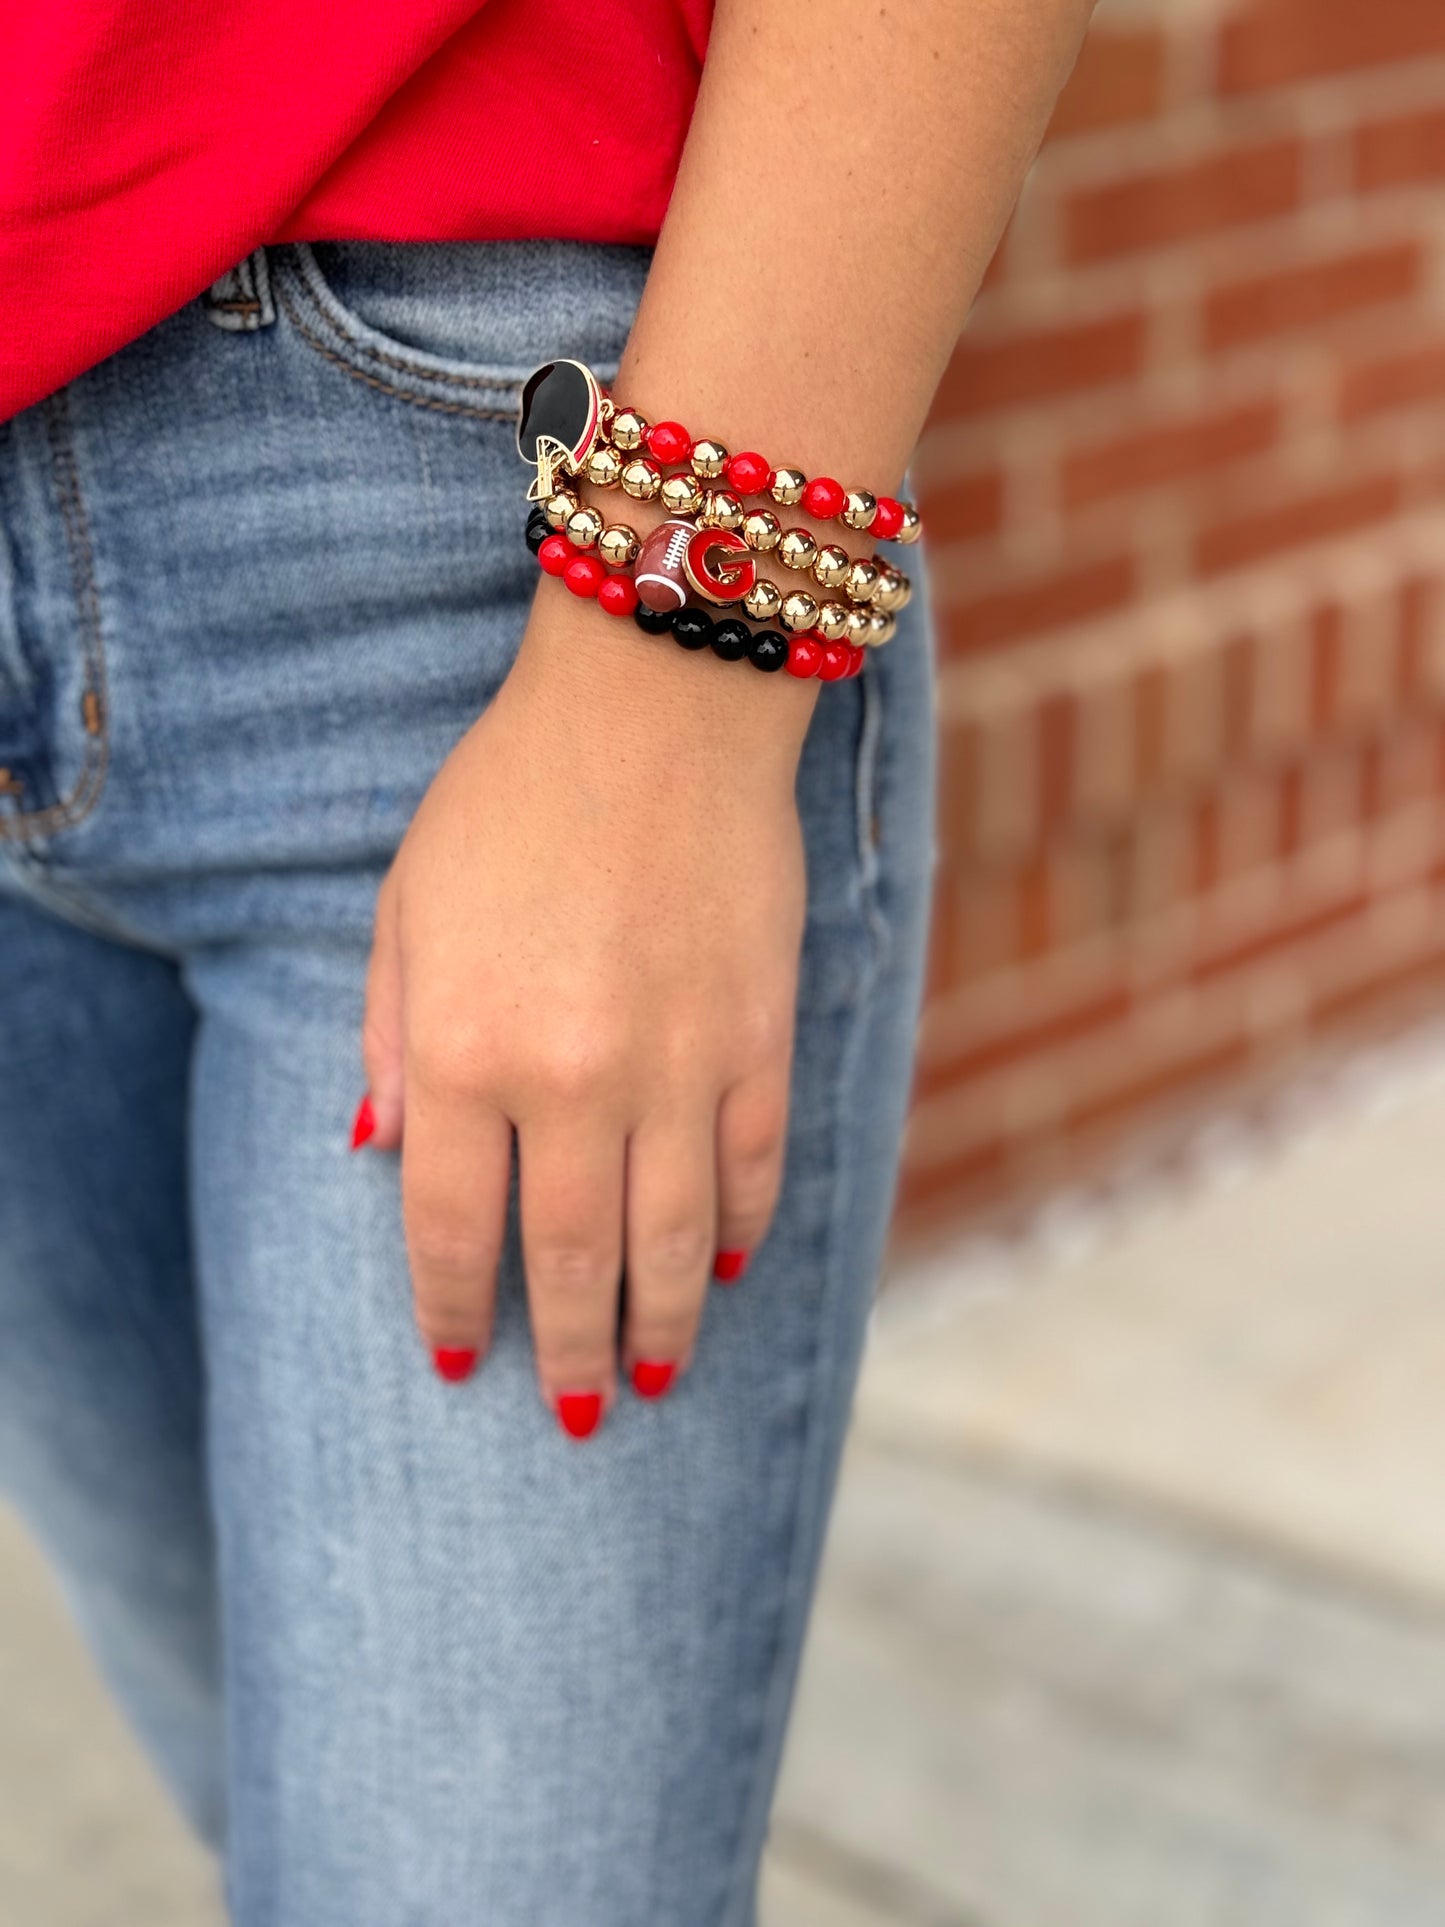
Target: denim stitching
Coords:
[[314, 341], [85, 795], [503, 384]]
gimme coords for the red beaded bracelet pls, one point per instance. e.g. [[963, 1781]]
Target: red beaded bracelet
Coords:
[[803, 656], [566, 421], [750, 474]]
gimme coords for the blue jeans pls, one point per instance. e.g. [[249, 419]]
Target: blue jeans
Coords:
[[416, 1657]]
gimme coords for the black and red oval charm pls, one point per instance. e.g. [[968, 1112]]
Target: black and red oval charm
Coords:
[[558, 420]]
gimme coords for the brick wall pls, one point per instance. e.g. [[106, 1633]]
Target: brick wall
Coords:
[[1186, 483]]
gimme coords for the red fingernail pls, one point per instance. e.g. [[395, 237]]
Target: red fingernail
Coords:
[[579, 1413], [454, 1362], [363, 1125], [729, 1266], [652, 1376]]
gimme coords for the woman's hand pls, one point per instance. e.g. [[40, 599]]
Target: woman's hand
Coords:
[[590, 936]]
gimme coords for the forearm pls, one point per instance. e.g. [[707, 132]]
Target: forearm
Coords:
[[850, 168]]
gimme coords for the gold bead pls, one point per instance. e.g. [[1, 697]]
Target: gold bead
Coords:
[[721, 509], [681, 495], [559, 506], [584, 525], [604, 465], [788, 486], [830, 565], [761, 529], [859, 582], [618, 545], [859, 508], [709, 459], [763, 600], [912, 525], [880, 629], [797, 549], [834, 621], [893, 592], [641, 479], [629, 430], [799, 611]]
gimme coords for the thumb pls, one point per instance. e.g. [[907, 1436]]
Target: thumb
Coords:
[[381, 1028]]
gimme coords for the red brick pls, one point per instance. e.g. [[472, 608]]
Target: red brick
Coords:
[[1407, 147], [1242, 539], [1304, 296], [1208, 846], [1017, 1041], [1038, 365], [1058, 727], [1417, 604], [1274, 43], [1199, 1068], [1235, 188], [1035, 914], [1046, 602], [966, 509], [1394, 381], [1327, 660], [1118, 81], [1167, 452], [949, 1186]]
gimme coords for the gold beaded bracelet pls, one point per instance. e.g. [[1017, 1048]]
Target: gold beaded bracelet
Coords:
[[875, 589], [871, 580]]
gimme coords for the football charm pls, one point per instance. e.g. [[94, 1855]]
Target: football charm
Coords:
[[557, 422]]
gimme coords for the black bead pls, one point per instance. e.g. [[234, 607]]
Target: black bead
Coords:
[[652, 622], [731, 639], [769, 649], [693, 628], [538, 529]]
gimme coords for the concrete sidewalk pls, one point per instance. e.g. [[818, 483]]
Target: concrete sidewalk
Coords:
[[1135, 1605]]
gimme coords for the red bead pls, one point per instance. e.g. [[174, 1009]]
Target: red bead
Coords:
[[856, 658], [618, 595], [823, 499], [836, 662], [887, 519], [555, 553], [805, 653], [669, 442], [584, 575], [749, 474]]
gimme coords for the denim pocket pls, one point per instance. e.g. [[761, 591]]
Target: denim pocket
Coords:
[[456, 327]]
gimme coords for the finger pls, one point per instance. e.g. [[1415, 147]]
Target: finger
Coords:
[[752, 1135], [671, 1222], [378, 1121], [455, 1168], [571, 1194]]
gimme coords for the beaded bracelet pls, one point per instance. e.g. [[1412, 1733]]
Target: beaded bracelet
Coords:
[[802, 655], [751, 474], [831, 567], [566, 421]]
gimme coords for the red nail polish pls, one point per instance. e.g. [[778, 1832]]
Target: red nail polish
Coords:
[[363, 1125], [579, 1413], [652, 1376], [729, 1266], [454, 1362]]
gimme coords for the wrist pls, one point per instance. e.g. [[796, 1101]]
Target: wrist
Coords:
[[605, 689]]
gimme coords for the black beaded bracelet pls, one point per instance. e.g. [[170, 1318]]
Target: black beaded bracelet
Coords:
[[691, 627]]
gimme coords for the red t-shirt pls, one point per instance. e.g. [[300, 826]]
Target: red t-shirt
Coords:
[[148, 145]]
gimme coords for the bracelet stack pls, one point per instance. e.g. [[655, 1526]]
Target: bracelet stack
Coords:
[[707, 550]]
